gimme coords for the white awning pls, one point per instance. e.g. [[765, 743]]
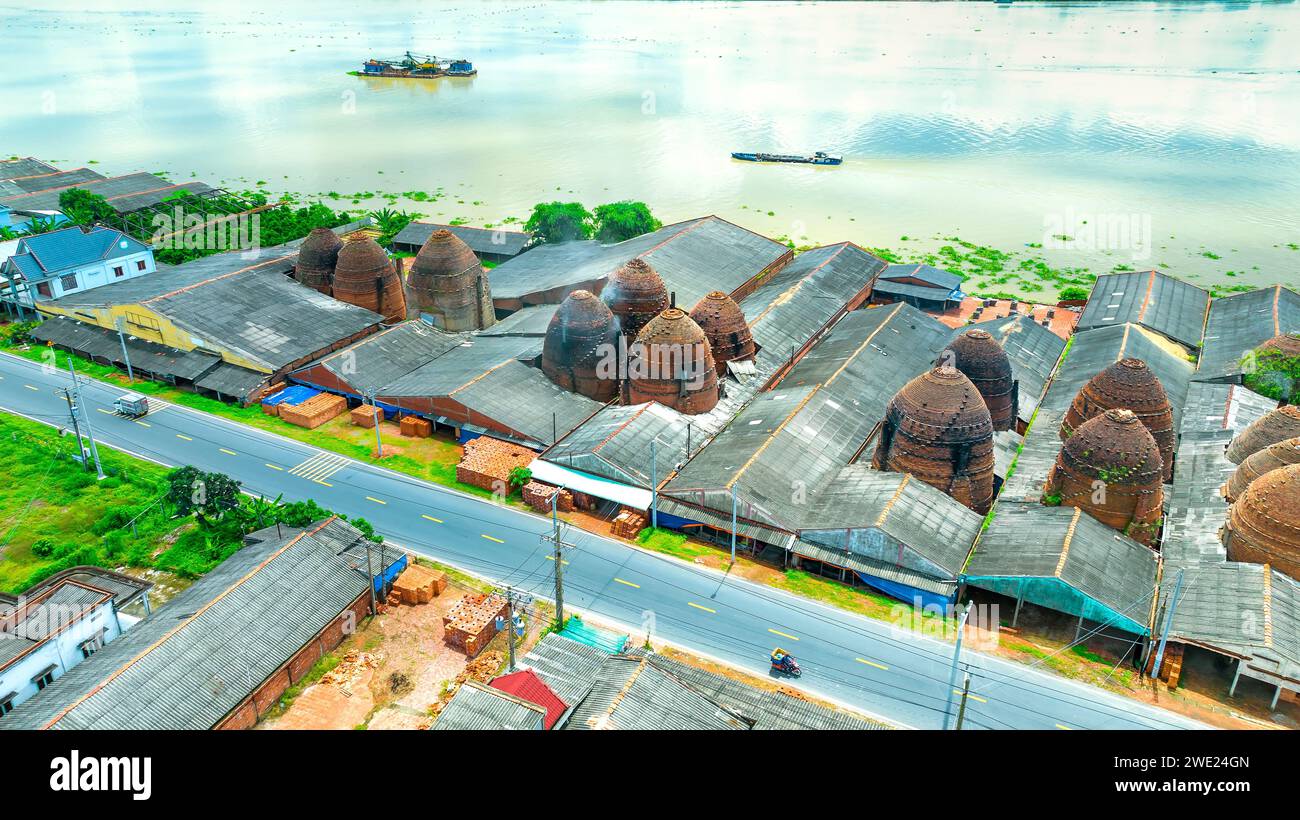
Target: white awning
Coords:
[[634, 497]]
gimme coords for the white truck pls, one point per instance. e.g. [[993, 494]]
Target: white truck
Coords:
[[132, 405]]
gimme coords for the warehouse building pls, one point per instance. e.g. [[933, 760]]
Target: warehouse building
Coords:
[[495, 245], [220, 653], [1157, 301], [1240, 323], [240, 307], [693, 257], [924, 287], [59, 623]]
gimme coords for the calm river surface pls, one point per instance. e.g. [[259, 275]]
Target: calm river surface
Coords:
[[1002, 126]]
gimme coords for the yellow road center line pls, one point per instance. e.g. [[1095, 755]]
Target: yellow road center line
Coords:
[[326, 483], [105, 412], [274, 467], [490, 538], [628, 583], [29, 387], [783, 634], [144, 424], [376, 500], [229, 452], [552, 558], [705, 608], [187, 438], [1066, 728], [872, 663], [972, 697], [431, 518]]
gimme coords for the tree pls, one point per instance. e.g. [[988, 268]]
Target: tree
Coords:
[[617, 221], [1074, 293], [208, 496], [519, 476], [559, 222], [85, 207]]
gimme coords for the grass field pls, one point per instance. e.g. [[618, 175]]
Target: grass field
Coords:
[[54, 514]]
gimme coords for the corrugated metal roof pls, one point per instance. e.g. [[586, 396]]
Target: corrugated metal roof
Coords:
[[124, 193], [527, 685], [917, 516], [940, 278], [58, 179], [630, 694], [1028, 540], [692, 257], [197, 657], [530, 321], [480, 240], [616, 443], [798, 301], [476, 707], [231, 380], [1152, 299], [878, 569], [384, 357], [1239, 323], [95, 342], [24, 167], [568, 667]]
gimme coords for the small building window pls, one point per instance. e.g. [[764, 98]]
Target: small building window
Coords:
[[44, 679], [7, 703], [140, 320], [119, 272], [69, 282], [93, 644], [140, 264], [43, 288]]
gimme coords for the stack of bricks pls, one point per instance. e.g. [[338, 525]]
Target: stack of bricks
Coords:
[[538, 496], [416, 427], [471, 623], [416, 585], [314, 411], [487, 463], [628, 524], [367, 416]]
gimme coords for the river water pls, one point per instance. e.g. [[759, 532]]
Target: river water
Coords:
[[1172, 127]]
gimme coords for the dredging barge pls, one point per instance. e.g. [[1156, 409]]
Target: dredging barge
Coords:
[[418, 68], [818, 158]]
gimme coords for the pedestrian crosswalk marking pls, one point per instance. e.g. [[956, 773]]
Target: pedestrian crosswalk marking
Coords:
[[319, 467]]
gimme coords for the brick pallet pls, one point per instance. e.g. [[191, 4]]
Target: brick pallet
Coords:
[[487, 463], [416, 427], [538, 496], [367, 415], [628, 524], [417, 585], [314, 411], [470, 624]]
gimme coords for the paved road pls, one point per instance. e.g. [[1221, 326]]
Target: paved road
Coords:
[[895, 674]]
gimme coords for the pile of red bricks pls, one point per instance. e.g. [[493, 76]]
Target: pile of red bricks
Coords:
[[416, 427], [367, 416], [538, 496], [628, 524], [314, 411], [416, 585], [488, 461], [472, 622]]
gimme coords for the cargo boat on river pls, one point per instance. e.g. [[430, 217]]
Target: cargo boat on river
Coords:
[[417, 68], [818, 158]]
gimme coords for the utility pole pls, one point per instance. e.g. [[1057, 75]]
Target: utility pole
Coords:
[[126, 357], [952, 677], [654, 484], [733, 523], [965, 694], [379, 441], [559, 559], [370, 576], [510, 626], [1169, 621], [72, 413], [85, 417]]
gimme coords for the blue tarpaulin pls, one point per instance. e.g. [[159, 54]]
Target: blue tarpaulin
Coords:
[[903, 592], [578, 631], [293, 395]]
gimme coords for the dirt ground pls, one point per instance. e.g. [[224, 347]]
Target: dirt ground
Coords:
[[396, 671]]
